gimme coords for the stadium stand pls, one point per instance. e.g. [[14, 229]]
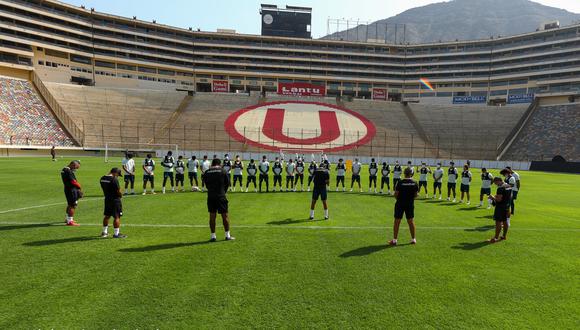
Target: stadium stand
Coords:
[[24, 117], [551, 131]]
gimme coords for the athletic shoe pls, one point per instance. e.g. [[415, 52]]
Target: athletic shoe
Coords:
[[309, 189], [153, 193], [231, 238], [503, 238], [311, 218], [72, 224], [448, 199], [336, 190], [493, 240], [104, 235], [440, 198], [120, 236], [393, 242], [454, 201], [144, 193], [349, 190], [413, 241], [325, 218], [255, 190], [489, 207], [343, 189], [213, 239], [468, 203]]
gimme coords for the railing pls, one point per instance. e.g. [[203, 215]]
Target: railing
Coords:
[[75, 132]]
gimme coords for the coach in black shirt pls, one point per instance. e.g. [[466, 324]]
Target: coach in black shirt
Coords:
[[321, 181], [406, 191], [113, 205], [502, 201], [217, 182]]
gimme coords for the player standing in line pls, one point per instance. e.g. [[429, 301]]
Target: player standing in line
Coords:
[[356, 169], [423, 172], [277, 169], [515, 189], [465, 183], [179, 173], [321, 181], [397, 172], [373, 170], [252, 171], [192, 166], [129, 177], [227, 166], [501, 200], [290, 170], [438, 181], [385, 173], [511, 182], [113, 205], [217, 182], [264, 172], [340, 173], [311, 170], [405, 192], [238, 167], [410, 166], [299, 173], [452, 176], [205, 165], [168, 164], [72, 190], [148, 174], [486, 179]]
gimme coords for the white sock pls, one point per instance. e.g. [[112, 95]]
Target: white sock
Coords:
[[508, 222], [117, 231], [152, 190], [213, 235], [69, 219], [312, 213], [326, 213], [132, 191], [105, 229], [227, 234]]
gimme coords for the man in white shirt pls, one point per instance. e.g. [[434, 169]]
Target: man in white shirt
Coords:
[[290, 170], [423, 172], [410, 166], [264, 169], [437, 181], [192, 166], [340, 173], [179, 173], [465, 183], [486, 181], [168, 163], [452, 175], [148, 174], [515, 188], [129, 171], [356, 168], [397, 172], [205, 165], [238, 168]]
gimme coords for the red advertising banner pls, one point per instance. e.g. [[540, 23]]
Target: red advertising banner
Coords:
[[379, 94], [301, 89], [220, 86]]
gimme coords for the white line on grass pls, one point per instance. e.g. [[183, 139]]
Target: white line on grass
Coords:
[[54, 204], [144, 225]]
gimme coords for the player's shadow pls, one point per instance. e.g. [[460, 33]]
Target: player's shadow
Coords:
[[62, 241], [485, 217], [160, 247], [433, 201], [27, 226], [472, 208], [481, 228], [289, 221], [366, 250], [470, 246]]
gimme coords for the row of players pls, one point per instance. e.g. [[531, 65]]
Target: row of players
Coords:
[[295, 170]]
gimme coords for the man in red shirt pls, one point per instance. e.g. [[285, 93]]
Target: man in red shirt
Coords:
[[72, 190]]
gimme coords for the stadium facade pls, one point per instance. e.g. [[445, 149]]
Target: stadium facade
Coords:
[[64, 43]]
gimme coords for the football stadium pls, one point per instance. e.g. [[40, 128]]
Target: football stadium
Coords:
[[356, 181]]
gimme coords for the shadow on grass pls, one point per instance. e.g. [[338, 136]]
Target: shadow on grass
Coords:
[[486, 217], [472, 208], [366, 250], [62, 241], [470, 246], [433, 201], [27, 226], [289, 221], [482, 228], [167, 246], [446, 203]]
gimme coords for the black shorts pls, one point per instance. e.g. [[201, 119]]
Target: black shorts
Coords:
[[218, 204], [192, 175], [129, 178], [148, 177], [113, 208], [451, 185], [355, 178], [408, 209], [514, 195], [179, 177], [437, 185], [485, 191], [422, 184], [72, 197], [464, 187], [319, 193], [500, 213], [168, 175]]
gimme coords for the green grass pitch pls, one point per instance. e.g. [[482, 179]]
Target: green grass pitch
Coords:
[[283, 271]]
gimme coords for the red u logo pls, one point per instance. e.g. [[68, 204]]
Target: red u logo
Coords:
[[274, 123]]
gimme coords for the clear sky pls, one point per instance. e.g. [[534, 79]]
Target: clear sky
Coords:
[[242, 15]]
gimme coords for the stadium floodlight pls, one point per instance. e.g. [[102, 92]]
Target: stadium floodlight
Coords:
[[139, 148]]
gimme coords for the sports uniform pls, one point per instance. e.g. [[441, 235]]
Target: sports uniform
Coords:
[[290, 169], [321, 177], [168, 164], [205, 164], [238, 173], [113, 205], [385, 173], [437, 181], [405, 205], [423, 172], [397, 171], [129, 175], [217, 182], [277, 169], [311, 170], [340, 173], [252, 170], [192, 166], [356, 168], [486, 179], [452, 175], [299, 174], [148, 174], [179, 173], [465, 180], [501, 212], [373, 170], [264, 170], [71, 187]]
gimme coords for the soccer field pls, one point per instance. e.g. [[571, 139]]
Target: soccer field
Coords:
[[283, 271]]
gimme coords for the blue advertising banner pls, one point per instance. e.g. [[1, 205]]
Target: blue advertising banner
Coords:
[[469, 99], [520, 98]]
